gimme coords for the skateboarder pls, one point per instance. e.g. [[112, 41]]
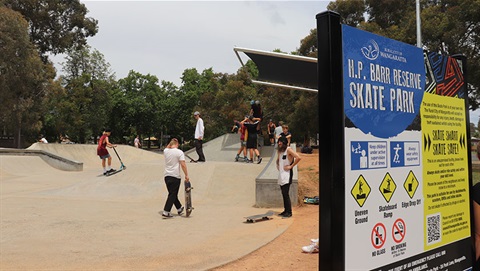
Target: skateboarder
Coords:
[[251, 125], [287, 158], [174, 159], [102, 151], [199, 134], [243, 144]]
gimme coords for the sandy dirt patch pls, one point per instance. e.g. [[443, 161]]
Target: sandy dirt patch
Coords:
[[285, 252]]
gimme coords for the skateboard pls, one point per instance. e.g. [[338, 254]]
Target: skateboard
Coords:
[[113, 172], [188, 198], [109, 174], [191, 159], [255, 218]]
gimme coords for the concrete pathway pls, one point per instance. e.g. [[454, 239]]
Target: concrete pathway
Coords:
[[53, 219]]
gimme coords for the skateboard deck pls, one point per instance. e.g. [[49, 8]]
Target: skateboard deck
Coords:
[[255, 218], [113, 173], [191, 159], [188, 198]]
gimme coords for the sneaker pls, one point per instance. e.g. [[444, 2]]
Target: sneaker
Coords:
[[312, 248], [245, 159], [287, 215], [259, 160], [166, 215], [250, 161], [180, 211], [105, 173], [282, 213], [111, 170], [236, 158]]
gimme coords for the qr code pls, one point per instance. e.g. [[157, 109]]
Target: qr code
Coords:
[[433, 229]]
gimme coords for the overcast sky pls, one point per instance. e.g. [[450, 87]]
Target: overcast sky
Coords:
[[163, 38]]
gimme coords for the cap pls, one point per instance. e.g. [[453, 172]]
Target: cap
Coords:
[[196, 113]]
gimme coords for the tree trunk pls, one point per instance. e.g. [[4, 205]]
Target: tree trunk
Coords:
[[18, 135]]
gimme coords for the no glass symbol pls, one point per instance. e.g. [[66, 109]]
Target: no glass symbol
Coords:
[[378, 235]]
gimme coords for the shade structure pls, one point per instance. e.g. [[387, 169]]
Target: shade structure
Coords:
[[283, 70]]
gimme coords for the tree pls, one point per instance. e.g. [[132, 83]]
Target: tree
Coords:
[[81, 110], [137, 106], [56, 26], [305, 118], [188, 99], [24, 78], [448, 26], [473, 130], [352, 11], [308, 45]]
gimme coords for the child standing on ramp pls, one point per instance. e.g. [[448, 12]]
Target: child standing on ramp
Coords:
[[102, 151]]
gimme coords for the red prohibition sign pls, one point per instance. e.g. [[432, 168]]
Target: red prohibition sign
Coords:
[[399, 229], [378, 235]]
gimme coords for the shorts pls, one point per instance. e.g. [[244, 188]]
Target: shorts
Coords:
[[104, 156], [252, 141]]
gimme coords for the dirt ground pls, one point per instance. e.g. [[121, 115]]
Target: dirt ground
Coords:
[[285, 252]]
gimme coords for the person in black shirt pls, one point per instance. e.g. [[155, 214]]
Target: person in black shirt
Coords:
[[251, 125]]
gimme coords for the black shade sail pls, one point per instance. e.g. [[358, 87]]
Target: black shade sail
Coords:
[[283, 70]]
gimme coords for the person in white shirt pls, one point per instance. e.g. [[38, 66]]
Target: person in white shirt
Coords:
[[136, 142], [174, 160], [287, 158], [43, 140], [278, 130], [199, 132]]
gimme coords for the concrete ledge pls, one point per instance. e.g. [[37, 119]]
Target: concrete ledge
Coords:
[[51, 159], [267, 190]]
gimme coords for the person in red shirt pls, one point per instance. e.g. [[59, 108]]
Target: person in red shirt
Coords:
[[243, 143], [102, 151]]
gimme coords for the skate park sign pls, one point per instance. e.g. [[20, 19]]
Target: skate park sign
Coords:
[[395, 157]]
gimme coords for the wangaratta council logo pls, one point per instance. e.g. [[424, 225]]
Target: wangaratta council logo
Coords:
[[371, 50]]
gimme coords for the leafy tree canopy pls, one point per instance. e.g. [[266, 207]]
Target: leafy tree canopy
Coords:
[[56, 25], [24, 78]]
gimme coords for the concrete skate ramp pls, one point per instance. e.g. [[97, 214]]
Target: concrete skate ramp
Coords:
[[53, 219]]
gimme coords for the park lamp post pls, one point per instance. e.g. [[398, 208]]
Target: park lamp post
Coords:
[[419, 25]]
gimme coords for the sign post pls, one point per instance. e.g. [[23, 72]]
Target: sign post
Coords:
[[395, 152]]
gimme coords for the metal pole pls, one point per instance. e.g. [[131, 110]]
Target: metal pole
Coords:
[[419, 25]]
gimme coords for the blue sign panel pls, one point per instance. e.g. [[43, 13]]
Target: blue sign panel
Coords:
[[397, 150], [384, 82], [368, 155]]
